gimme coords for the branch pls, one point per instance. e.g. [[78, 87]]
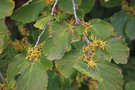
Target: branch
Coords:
[[56, 1], [88, 42], [1, 78], [45, 27], [77, 22], [75, 14]]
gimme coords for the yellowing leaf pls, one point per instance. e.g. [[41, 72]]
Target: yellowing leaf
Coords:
[[6, 7], [41, 22], [59, 41]]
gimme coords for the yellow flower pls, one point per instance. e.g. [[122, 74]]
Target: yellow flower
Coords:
[[20, 44], [89, 51], [49, 2], [24, 31], [97, 43], [92, 44], [39, 46], [93, 85], [102, 45], [89, 59], [86, 27], [24, 42], [34, 52], [17, 45], [85, 57], [91, 63], [127, 7], [92, 49], [70, 25], [2, 87], [85, 49], [57, 11], [92, 37]]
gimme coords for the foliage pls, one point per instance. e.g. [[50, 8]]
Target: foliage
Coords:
[[66, 44]]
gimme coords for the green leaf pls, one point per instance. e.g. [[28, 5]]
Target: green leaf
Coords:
[[110, 3], [53, 81], [41, 22], [57, 82], [130, 28], [129, 69], [28, 13], [78, 44], [59, 41], [117, 48], [108, 74], [83, 68], [111, 75], [102, 55], [68, 84], [4, 36], [13, 68], [87, 5], [119, 21], [65, 65], [66, 5], [80, 14], [6, 58], [130, 85], [101, 29], [33, 77], [47, 63], [6, 8]]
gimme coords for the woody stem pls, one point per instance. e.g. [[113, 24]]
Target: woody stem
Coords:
[[45, 27], [56, 1], [75, 14]]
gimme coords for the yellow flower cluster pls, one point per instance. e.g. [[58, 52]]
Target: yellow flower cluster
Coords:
[[70, 25], [88, 57], [24, 32], [86, 27], [97, 43], [90, 50], [93, 85], [34, 52], [20, 44], [57, 11], [127, 7], [3, 87], [49, 2]]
